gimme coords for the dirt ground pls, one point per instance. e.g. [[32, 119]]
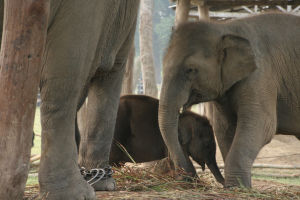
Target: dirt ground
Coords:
[[266, 189], [282, 150], [139, 184]]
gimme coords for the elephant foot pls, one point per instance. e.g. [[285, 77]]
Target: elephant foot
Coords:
[[181, 175], [105, 185], [187, 173], [185, 177], [70, 188], [99, 178], [163, 166], [237, 180]]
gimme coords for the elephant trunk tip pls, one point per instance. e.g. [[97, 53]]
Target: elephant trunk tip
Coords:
[[216, 172], [221, 180]]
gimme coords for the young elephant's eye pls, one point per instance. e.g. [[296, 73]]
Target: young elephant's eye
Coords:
[[191, 71]]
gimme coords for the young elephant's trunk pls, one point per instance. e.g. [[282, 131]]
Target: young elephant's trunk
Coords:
[[216, 171]]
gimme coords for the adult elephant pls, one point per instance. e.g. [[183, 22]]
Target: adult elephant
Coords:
[[250, 69], [86, 49]]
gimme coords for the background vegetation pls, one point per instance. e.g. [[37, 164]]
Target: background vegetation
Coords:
[[163, 20]]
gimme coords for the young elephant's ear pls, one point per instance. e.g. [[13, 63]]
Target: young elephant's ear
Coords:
[[236, 58], [184, 132]]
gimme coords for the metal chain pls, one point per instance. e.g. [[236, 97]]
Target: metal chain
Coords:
[[94, 175]]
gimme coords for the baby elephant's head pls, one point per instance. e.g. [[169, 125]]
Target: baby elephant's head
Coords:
[[197, 139]]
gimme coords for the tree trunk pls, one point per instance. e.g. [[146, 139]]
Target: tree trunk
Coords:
[[23, 40], [127, 86], [136, 73], [182, 11], [146, 49]]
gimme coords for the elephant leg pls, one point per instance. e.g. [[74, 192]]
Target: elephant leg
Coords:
[[224, 129], [122, 135], [72, 41], [59, 175], [256, 125], [96, 139], [101, 112]]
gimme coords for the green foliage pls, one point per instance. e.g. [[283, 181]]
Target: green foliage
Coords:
[[36, 149], [288, 180], [32, 180]]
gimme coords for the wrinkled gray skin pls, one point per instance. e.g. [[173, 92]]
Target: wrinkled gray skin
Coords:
[[250, 69], [137, 130], [86, 49]]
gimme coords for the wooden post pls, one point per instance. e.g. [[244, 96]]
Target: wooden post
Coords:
[[23, 40], [127, 86], [203, 12], [146, 49], [204, 108], [182, 11]]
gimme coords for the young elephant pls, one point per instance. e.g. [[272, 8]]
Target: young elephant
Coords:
[[137, 130], [250, 69]]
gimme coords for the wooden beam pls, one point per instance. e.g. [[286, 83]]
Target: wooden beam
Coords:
[[281, 9], [296, 9], [247, 9], [221, 14], [248, 2], [212, 14]]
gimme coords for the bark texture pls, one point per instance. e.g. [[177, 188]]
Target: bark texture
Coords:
[[23, 40], [127, 86], [146, 49]]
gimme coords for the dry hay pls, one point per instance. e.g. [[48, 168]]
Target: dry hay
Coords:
[[31, 192], [140, 183]]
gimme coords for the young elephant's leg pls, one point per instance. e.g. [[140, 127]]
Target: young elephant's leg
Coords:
[[96, 139], [256, 125]]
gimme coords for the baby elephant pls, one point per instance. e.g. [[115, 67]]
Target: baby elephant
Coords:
[[137, 130]]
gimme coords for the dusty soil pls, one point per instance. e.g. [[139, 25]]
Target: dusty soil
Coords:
[[137, 185], [282, 150], [262, 190]]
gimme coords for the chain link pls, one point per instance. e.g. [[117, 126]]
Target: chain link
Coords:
[[94, 175]]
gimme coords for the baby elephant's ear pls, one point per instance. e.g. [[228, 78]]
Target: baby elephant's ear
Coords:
[[184, 131], [236, 58]]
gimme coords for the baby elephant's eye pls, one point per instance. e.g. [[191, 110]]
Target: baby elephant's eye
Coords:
[[191, 71]]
